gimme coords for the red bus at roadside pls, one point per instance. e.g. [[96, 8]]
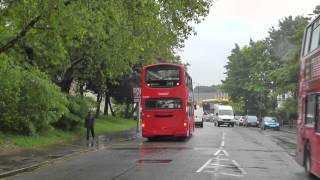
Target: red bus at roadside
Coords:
[[166, 101], [308, 122]]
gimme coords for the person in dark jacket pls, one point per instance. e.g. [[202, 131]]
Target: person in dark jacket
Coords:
[[89, 124]]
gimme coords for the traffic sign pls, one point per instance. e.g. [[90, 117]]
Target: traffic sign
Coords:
[[136, 94]]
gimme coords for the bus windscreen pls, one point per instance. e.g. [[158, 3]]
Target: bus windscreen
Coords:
[[162, 76], [167, 103]]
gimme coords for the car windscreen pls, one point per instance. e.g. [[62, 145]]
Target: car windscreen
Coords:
[[226, 112], [270, 119], [162, 76], [168, 103], [252, 119]]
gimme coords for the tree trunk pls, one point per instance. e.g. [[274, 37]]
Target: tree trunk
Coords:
[[81, 89], [112, 112], [99, 99], [65, 83], [20, 35], [106, 104], [126, 115], [134, 108]]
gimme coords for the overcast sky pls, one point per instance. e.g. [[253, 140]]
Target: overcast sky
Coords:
[[230, 22]]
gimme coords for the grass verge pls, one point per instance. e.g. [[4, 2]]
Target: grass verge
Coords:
[[103, 125]]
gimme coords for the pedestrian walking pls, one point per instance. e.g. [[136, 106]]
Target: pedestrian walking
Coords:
[[89, 124]]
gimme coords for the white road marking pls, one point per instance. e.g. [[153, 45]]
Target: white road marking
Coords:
[[222, 159], [225, 152], [200, 169], [222, 140], [222, 144], [239, 167], [215, 166], [228, 174], [216, 153]]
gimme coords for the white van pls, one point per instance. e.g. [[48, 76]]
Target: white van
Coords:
[[198, 116], [223, 115]]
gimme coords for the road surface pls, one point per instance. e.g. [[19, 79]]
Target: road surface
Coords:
[[212, 153]]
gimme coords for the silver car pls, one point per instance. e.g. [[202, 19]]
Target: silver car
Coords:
[[251, 121]]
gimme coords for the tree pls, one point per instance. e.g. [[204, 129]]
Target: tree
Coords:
[[95, 44], [248, 76], [260, 71], [286, 45], [316, 11]]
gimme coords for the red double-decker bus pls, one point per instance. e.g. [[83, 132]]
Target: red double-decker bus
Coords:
[[308, 122], [167, 101]]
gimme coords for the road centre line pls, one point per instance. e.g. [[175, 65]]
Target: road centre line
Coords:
[[222, 143], [202, 167], [222, 140]]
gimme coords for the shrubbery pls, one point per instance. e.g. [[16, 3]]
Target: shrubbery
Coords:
[[29, 101], [31, 104], [78, 109]]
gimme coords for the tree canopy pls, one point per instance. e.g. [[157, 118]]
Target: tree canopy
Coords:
[[258, 72], [82, 45]]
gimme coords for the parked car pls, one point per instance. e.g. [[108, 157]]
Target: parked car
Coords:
[[251, 121], [198, 117], [240, 121], [270, 123]]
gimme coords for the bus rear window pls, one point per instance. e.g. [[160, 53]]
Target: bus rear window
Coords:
[[162, 76], [167, 103]]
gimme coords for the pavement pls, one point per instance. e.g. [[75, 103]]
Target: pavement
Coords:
[[30, 159], [212, 153]]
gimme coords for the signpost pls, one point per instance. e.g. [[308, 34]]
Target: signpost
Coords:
[[137, 100]]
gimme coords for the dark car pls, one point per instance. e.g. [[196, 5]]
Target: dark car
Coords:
[[270, 123], [251, 121]]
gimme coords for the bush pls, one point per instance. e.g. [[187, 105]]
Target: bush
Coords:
[[78, 109], [29, 101], [288, 110]]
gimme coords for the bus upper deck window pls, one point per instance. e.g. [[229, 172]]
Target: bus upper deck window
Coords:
[[163, 76]]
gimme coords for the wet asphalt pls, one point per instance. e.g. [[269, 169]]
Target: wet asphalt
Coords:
[[212, 153]]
